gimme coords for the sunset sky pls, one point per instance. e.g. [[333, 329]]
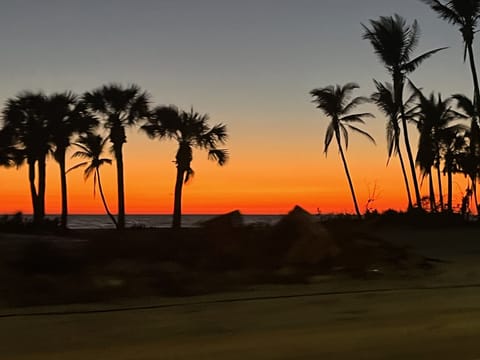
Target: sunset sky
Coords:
[[249, 64]]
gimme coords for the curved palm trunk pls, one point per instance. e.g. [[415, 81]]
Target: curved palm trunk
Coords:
[[474, 192], [476, 97], [100, 188], [177, 204], [345, 166], [449, 190], [433, 205], [474, 76], [33, 192], [63, 184], [404, 173], [411, 162], [398, 93], [41, 187], [121, 187], [440, 190]]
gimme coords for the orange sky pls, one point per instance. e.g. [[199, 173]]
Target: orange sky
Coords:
[[249, 65], [257, 180]]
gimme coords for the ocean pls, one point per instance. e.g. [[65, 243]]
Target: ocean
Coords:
[[156, 221]]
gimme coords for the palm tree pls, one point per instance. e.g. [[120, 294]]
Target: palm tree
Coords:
[[91, 148], [394, 41], [66, 117], [337, 103], [456, 157], [465, 14], [472, 160], [433, 116], [118, 107], [385, 101], [190, 130], [24, 117], [8, 152]]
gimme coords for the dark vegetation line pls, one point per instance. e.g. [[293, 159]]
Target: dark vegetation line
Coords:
[[245, 299]]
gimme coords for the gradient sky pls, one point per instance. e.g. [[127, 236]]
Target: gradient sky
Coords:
[[248, 64]]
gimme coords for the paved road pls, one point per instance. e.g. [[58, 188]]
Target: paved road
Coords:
[[419, 324]]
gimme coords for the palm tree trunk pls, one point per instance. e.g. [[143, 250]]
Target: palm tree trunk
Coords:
[[100, 188], [41, 187], [449, 190], [121, 186], [405, 177], [398, 89], [177, 205], [411, 162], [474, 189], [440, 190], [63, 183], [33, 192], [476, 88], [345, 166], [433, 206]]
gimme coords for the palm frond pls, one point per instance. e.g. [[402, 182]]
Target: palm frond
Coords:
[[362, 132], [82, 164], [445, 12], [412, 65], [189, 175], [221, 156], [328, 137], [357, 117]]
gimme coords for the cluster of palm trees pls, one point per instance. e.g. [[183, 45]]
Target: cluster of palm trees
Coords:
[[37, 126], [449, 130]]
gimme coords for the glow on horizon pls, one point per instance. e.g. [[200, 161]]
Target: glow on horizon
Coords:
[[247, 64]]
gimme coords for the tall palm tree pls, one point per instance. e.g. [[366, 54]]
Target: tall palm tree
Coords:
[[337, 103], [385, 101], [433, 116], [66, 117], [456, 157], [118, 107], [190, 130], [464, 14], [394, 41], [24, 117], [91, 149], [471, 162]]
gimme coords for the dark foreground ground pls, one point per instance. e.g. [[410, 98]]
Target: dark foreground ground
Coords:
[[429, 324], [367, 310]]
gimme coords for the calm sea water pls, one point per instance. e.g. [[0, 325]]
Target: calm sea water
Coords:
[[156, 221]]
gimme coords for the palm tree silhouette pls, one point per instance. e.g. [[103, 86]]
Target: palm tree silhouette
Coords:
[[470, 161], [456, 154], [394, 41], [25, 120], [337, 103], [191, 130], [118, 107], [91, 148], [432, 116], [385, 101], [8, 153], [66, 117], [465, 14]]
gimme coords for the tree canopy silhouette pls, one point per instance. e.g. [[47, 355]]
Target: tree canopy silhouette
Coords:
[[91, 149], [118, 107], [190, 130], [394, 42], [26, 123], [337, 103]]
